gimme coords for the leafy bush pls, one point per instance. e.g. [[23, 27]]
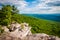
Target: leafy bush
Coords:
[[5, 14], [5, 22]]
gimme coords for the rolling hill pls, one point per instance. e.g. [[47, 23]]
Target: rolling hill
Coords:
[[39, 25]]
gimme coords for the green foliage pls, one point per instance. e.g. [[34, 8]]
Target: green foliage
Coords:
[[14, 10], [9, 13], [6, 13], [5, 22], [39, 25]]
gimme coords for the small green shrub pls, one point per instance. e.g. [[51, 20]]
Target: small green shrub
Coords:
[[5, 22]]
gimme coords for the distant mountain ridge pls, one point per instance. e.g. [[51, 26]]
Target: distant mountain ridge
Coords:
[[53, 17]]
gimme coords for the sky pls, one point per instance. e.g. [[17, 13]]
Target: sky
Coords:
[[35, 6]]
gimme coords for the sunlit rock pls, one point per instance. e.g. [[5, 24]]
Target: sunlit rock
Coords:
[[18, 30], [5, 29]]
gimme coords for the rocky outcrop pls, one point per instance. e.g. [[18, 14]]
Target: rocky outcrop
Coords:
[[18, 30], [6, 36], [22, 32], [40, 36]]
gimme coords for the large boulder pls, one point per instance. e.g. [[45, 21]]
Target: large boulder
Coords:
[[7, 36]]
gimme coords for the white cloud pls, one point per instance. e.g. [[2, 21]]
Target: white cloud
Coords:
[[22, 5], [40, 6]]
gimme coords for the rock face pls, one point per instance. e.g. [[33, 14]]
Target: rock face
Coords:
[[6, 36], [18, 30], [40, 36], [22, 32]]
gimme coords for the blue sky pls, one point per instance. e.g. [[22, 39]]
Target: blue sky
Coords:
[[35, 6]]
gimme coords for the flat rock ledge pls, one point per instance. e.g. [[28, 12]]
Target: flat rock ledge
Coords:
[[40, 36], [6, 36]]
